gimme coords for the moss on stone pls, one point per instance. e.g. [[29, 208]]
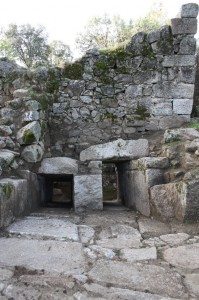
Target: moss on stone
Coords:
[[28, 137], [7, 190], [141, 112], [73, 71], [147, 51]]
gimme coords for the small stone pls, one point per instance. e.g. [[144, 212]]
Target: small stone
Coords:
[[86, 233], [174, 239], [20, 93]]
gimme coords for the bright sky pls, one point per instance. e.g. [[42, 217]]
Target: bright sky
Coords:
[[63, 19]]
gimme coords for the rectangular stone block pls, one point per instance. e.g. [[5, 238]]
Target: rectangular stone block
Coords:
[[189, 10], [169, 90], [184, 26], [179, 60], [162, 109], [13, 200], [88, 192], [182, 106]]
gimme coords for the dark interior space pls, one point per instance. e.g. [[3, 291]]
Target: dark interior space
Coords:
[[110, 184], [56, 190]]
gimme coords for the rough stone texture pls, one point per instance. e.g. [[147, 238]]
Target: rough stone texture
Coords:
[[59, 165], [132, 255], [185, 25], [182, 106], [32, 153], [51, 256], [191, 281], [179, 60], [174, 239], [183, 256], [180, 134], [150, 228], [29, 134], [48, 227], [116, 150], [20, 93], [13, 200], [153, 162], [127, 275], [86, 198], [189, 10]]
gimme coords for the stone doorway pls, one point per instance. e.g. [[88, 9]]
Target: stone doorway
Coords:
[[56, 190], [117, 184]]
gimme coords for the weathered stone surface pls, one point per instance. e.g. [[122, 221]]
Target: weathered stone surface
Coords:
[[162, 109], [29, 134], [132, 255], [96, 252], [184, 26], [189, 10], [5, 130], [172, 90], [51, 256], [113, 293], [180, 134], [175, 239], [32, 105], [191, 282], [116, 150], [164, 199], [30, 116], [48, 227], [86, 233], [179, 61], [183, 256], [127, 276], [6, 158], [151, 228], [119, 242], [182, 106], [153, 162], [32, 153], [5, 274], [188, 45], [20, 93], [13, 200], [59, 165], [88, 192]]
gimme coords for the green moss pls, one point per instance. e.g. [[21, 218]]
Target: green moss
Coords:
[[28, 137], [101, 65], [73, 71], [194, 123], [141, 113], [109, 116], [52, 84], [147, 51], [7, 190]]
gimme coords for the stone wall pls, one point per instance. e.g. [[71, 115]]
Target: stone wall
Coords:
[[51, 119]]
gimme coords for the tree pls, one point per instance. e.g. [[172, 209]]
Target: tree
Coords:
[[60, 54], [153, 20], [106, 32], [103, 32], [28, 43]]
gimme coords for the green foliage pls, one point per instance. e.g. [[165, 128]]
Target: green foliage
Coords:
[[194, 123], [60, 54], [28, 137], [141, 113], [147, 51], [73, 71], [7, 190], [109, 116], [52, 83]]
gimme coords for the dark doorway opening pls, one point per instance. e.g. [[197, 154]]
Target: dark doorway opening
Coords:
[[111, 195], [118, 184], [56, 190]]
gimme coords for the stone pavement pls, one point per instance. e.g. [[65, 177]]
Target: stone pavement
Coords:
[[113, 254]]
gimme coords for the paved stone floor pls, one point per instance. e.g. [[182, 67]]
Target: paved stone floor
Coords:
[[114, 254]]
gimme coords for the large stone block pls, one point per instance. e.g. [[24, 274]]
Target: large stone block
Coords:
[[13, 200], [162, 109], [153, 162], [88, 192], [29, 134], [182, 106], [58, 165], [180, 134], [170, 90], [116, 150], [184, 26], [32, 153], [179, 61], [189, 10]]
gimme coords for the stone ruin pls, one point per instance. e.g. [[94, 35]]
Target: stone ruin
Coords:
[[123, 110]]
